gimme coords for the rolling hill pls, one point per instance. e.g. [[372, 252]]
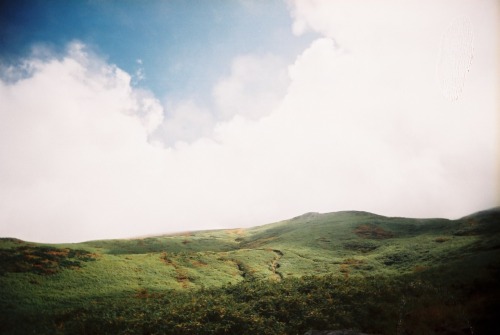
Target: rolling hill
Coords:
[[317, 271]]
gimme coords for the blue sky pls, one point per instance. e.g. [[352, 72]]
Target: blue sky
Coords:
[[129, 118], [182, 46]]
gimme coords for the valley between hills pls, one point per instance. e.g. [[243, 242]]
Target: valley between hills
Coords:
[[343, 270]]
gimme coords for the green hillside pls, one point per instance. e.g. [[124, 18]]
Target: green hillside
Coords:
[[341, 270]]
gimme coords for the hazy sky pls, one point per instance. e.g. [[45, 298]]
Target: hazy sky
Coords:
[[127, 118]]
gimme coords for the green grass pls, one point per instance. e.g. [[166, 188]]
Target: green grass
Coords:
[[445, 271]]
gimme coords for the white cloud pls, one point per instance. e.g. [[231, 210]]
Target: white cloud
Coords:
[[74, 149], [383, 90], [254, 88], [362, 125], [147, 108], [185, 122]]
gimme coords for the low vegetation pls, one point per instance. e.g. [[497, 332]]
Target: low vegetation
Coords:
[[346, 270], [41, 259]]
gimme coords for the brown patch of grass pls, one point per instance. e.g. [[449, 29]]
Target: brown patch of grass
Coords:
[[142, 293], [165, 259], [182, 277], [42, 260], [372, 231], [198, 264], [349, 263], [419, 268], [59, 253], [353, 261], [238, 231]]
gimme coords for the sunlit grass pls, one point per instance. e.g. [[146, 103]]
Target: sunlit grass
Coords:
[[348, 246]]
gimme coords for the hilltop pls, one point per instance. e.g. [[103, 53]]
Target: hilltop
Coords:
[[64, 286]]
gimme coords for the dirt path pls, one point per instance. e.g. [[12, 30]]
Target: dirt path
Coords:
[[275, 264]]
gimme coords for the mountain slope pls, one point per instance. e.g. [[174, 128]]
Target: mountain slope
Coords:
[[352, 246]]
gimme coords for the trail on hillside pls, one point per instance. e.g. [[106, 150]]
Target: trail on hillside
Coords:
[[275, 264]]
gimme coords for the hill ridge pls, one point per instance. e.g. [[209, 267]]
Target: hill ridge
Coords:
[[335, 249]]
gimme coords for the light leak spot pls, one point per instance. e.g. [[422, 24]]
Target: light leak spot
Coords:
[[455, 58]]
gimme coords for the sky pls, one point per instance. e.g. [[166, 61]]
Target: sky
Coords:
[[134, 118]]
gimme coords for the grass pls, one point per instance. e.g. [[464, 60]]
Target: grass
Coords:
[[168, 284]]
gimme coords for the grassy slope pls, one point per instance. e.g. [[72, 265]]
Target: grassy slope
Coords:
[[345, 244]]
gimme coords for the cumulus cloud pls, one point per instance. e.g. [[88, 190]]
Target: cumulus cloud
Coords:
[[185, 122], [74, 148], [353, 125], [254, 88], [383, 89]]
